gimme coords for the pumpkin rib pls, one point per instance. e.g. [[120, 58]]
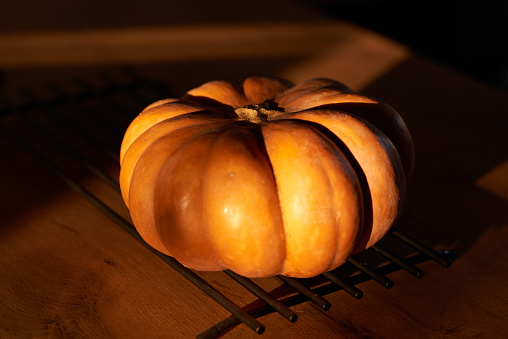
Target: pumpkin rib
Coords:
[[145, 175], [243, 214], [365, 200], [178, 203], [310, 224], [324, 96], [378, 159], [264, 151], [363, 186], [159, 103], [150, 117], [387, 120], [260, 89], [314, 86], [220, 91], [138, 146]]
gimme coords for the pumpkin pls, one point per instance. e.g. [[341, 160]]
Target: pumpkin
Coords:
[[267, 178]]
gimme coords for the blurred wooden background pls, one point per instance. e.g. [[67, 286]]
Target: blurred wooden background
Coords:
[[462, 35]]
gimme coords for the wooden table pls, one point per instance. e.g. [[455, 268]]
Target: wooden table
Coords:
[[69, 271]]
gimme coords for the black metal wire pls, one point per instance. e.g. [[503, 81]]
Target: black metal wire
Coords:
[[293, 300], [415, 271], [263, 295], [342, 283], [313, 297], [378, 277], [434, 255]]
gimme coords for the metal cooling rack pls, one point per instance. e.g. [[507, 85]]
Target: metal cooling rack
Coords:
[[140, 92]]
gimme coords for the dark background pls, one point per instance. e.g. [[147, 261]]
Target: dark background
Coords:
[[464, 35], [470, 36]]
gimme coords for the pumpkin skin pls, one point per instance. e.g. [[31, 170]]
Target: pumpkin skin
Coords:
[[270, 178]]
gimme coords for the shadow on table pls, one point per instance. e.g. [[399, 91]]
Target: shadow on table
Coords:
[[459, 130]]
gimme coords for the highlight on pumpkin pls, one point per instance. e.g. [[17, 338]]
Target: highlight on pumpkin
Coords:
[[266, 178]]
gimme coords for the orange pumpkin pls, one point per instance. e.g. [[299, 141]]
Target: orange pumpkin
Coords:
[[270, 178]]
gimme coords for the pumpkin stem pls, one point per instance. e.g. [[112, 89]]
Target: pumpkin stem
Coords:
[[258, 113]]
